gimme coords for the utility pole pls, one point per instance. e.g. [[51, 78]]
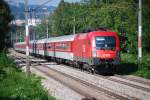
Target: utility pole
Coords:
[[47, 31], [16, 37], [34, 17], [27, 39], [140, 32], [11, 39], [20, 37], [45, 10]]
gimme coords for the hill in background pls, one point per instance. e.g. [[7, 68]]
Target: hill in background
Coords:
[[39, 12]]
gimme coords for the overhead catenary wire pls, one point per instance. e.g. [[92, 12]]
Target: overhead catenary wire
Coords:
[[27, 35], [37, 8]]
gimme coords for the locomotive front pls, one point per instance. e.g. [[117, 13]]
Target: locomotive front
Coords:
[[105, 48]]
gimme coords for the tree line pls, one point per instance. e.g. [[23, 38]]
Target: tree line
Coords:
[[118, 15]]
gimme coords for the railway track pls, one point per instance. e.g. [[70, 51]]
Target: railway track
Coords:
[[96, 90], [111, 85], [135, 79], [136, 83], [90, 91]]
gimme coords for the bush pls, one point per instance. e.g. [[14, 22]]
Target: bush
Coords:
[[128, 64], [15, 84], [129, 61], [3, 60], [129, 58], [144, 67], [146, 61]]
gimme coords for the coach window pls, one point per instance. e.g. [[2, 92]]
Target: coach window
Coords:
[[49, 47]]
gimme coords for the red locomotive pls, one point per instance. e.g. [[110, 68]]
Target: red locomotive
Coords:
[[91, 50]]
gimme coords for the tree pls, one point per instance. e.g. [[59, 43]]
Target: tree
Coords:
[[5, 18], [118, 15], [146, 25]]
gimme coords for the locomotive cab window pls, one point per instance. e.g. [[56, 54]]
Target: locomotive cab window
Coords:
[[105, 42]]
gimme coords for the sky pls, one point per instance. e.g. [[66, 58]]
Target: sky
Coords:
[[52, 3]]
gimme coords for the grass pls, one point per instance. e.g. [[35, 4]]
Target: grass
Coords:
[[144, 67], [129, 65], [14, 84]]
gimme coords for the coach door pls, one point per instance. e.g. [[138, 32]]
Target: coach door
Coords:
[[45, 50], [32, 48], [35, 48]]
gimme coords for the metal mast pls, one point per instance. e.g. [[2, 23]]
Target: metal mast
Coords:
[[140, 31], [27, 38]]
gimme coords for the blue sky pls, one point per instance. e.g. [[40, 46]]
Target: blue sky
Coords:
[[52, 3]]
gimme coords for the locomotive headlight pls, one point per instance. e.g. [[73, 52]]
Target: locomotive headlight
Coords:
[[94, 52]]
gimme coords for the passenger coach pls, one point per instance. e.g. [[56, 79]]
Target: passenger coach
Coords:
[[91, 50]]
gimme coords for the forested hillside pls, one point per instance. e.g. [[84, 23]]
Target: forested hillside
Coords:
[[118, 15]]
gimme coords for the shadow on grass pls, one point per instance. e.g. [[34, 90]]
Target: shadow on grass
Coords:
[[22, 98], [126, 69], [3, 74], [9, 98]]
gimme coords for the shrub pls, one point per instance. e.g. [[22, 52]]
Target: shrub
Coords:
[[14, 84], [129, 61]]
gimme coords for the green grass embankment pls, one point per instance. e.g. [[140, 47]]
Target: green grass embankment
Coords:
[[14, 84], [129, 65]]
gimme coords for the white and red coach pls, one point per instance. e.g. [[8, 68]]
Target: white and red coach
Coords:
[[60, 47]]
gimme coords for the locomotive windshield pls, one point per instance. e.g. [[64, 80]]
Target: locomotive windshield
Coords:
[[105, 43]]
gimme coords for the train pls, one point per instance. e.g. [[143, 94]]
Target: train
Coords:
[[92, 51]]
